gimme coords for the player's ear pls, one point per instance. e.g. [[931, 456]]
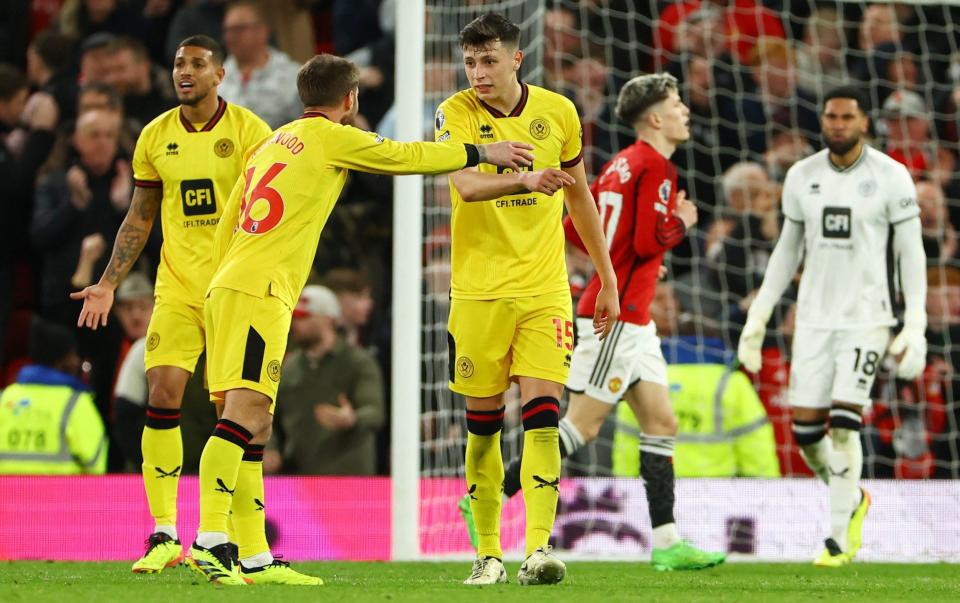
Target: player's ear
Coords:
[[517, 59], [220, 74]]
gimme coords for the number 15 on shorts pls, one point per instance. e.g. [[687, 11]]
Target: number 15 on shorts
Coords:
[[564, 329]]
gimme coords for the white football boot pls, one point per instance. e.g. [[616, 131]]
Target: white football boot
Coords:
[[541, 567], [488, 570]]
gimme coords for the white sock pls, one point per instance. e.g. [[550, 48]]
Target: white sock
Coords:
[[170, 531], [846, 463], [570, 436], [817, 457], [260, 560], [665, 536], [209, 540]]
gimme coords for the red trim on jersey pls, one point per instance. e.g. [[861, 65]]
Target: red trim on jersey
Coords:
[[569, 163], [517, 110], [307, 114], [148, 183], [217, 115]]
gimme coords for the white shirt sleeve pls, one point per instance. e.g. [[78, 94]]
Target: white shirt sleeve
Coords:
[[132, 378], [902, 196], [912, 260], [783, 264], [789, 200]]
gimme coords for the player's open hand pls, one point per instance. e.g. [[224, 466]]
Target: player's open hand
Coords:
[[546, 181], [507, 154], [607, 311], [97, 301]]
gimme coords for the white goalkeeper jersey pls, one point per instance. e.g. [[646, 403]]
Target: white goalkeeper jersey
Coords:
[[847, 216]]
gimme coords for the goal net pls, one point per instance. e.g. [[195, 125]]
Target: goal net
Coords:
[[753, 76]]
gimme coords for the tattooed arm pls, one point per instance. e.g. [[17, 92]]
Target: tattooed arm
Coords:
[[131, 238]]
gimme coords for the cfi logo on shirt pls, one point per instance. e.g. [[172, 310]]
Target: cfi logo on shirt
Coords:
[[539, 128], [223, 147]]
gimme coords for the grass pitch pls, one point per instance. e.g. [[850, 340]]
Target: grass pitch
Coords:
[[35, 581]]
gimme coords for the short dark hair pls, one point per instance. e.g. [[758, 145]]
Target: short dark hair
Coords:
[[489, 28], [325, 79], [642, 92], [12, 81], [55, 49], [50, 343], [254, 5], [208, 43], [850, 92]]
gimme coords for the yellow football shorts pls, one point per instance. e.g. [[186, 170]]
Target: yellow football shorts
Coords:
[[175, 335], [492, 342], [246, 341]]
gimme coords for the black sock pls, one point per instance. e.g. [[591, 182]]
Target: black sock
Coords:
[[656, 469]]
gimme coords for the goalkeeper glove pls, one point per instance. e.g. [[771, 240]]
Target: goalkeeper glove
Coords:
[[910, 345], [751, 338]]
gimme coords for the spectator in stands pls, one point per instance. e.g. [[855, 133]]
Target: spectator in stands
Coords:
[[939, 235], [737, 270], [439, 78], [87, 196], [204, 17], [561, 43], [95, 58], [48, 422], [909, 436], [81, 18], [778, 105], [743, 22], [257, 76], [50, 69], [907, 121], [746, 190], [354, 300], [880, 25], [785, 149], [376, 62], [820, 55], [19, 164], [731, 439], [331, 397], [147, 91], [100, 96], [133, 310]]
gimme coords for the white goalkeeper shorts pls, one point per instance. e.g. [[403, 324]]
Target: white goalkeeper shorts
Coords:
[[835, 364], [606, 369]]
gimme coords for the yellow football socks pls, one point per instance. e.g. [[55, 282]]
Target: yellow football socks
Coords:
[[484, 472], [540, 468]]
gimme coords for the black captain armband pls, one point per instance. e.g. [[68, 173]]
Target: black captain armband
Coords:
[[473, 155]]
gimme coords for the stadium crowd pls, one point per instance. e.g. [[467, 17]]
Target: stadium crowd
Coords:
[[79, 79]]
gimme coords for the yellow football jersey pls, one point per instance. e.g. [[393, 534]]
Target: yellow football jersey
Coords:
[[512, 246], [273, 220], [197, 166]]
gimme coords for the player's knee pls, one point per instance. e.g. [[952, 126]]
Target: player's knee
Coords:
[[262, 436], [845, 424], [163, 395], [589, 428], [808, 433]]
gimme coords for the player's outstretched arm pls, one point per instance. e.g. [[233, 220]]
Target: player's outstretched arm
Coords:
[[355, 149], [586, 219], [474, 185], [131, 238], [784, 262], [910, 345]]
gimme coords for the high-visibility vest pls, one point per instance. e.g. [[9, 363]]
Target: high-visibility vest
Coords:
[[50, 430], [722, 427]]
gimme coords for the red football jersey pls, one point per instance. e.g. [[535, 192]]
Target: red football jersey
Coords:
[[636, 196]]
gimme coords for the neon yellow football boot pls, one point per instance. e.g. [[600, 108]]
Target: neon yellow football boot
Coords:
[[831, 556], [214, 564], [855, 529], [278, 572], [162, 552]]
